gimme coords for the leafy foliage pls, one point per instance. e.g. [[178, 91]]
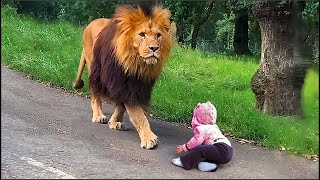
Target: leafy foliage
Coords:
[[216, 34], [83, 12], [311, 11], [44, 10], [183, 13], [310, 15]]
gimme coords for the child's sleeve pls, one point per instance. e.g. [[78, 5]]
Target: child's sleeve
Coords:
[[196, 140]]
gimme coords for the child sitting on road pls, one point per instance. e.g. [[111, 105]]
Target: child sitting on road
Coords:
[[208, 142]]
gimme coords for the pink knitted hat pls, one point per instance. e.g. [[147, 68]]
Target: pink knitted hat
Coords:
[[204, 113]]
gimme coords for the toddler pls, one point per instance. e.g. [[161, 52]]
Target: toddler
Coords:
[[208, 147]]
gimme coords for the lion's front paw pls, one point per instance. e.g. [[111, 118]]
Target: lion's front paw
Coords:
[[117, 125], [149, 141], [99, 119]]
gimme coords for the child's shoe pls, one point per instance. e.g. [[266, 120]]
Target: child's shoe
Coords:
[[177, 162], [206, 166]]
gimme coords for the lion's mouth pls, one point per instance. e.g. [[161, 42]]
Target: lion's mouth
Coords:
[[151, 60]]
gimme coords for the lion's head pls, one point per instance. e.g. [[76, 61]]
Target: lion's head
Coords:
[[142, 41]]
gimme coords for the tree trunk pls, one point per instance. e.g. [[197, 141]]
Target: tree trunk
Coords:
[[197, 25], [316, 46], [241, 38], [278, 82], [194, 35]]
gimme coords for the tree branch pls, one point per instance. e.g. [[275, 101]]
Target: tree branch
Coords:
[[204, 19]]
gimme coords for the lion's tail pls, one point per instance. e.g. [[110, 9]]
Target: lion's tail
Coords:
[[78, 83]]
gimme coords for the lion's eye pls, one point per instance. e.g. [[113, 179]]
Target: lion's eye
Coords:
[[158, 35], [142, 34]]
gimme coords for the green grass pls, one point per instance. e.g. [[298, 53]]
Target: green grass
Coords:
[[50, 52]]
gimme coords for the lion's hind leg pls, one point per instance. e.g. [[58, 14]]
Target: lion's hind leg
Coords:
[[116, 120], [137, 116], [96, 105]]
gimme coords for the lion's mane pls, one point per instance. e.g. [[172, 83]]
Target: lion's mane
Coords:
[[118, 72]]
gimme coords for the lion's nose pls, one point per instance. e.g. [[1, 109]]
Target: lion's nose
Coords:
[[154, 48]]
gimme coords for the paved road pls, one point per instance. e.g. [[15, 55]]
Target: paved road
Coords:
[[48, 133]]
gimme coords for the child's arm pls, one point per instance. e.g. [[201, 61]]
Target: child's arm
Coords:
[[196, 140]]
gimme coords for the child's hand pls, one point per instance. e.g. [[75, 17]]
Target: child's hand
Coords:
[[180, 148]]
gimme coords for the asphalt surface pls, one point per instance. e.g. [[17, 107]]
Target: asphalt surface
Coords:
[[48, 133]]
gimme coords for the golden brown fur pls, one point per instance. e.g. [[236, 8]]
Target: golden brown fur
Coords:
[[173, 30], [90, 35], [134, 56], [135, 23]]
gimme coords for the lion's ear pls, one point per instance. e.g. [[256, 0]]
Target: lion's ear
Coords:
[[166, 28]]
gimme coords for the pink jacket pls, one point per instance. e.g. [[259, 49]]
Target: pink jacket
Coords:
[[204, 127]]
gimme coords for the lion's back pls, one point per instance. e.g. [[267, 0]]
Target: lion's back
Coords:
[[93, 29]]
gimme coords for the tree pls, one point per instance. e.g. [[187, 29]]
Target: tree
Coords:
[[241, 37], [182, 15], [203, 18], [189, 17], [43, 10], [310, 15], [277, 84], [83, 12]]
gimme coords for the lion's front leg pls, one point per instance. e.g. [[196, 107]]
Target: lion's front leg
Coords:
[[97, 115], [148, 139], [116, 120]]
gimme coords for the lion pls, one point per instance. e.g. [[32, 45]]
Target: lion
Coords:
[[124, 56]]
